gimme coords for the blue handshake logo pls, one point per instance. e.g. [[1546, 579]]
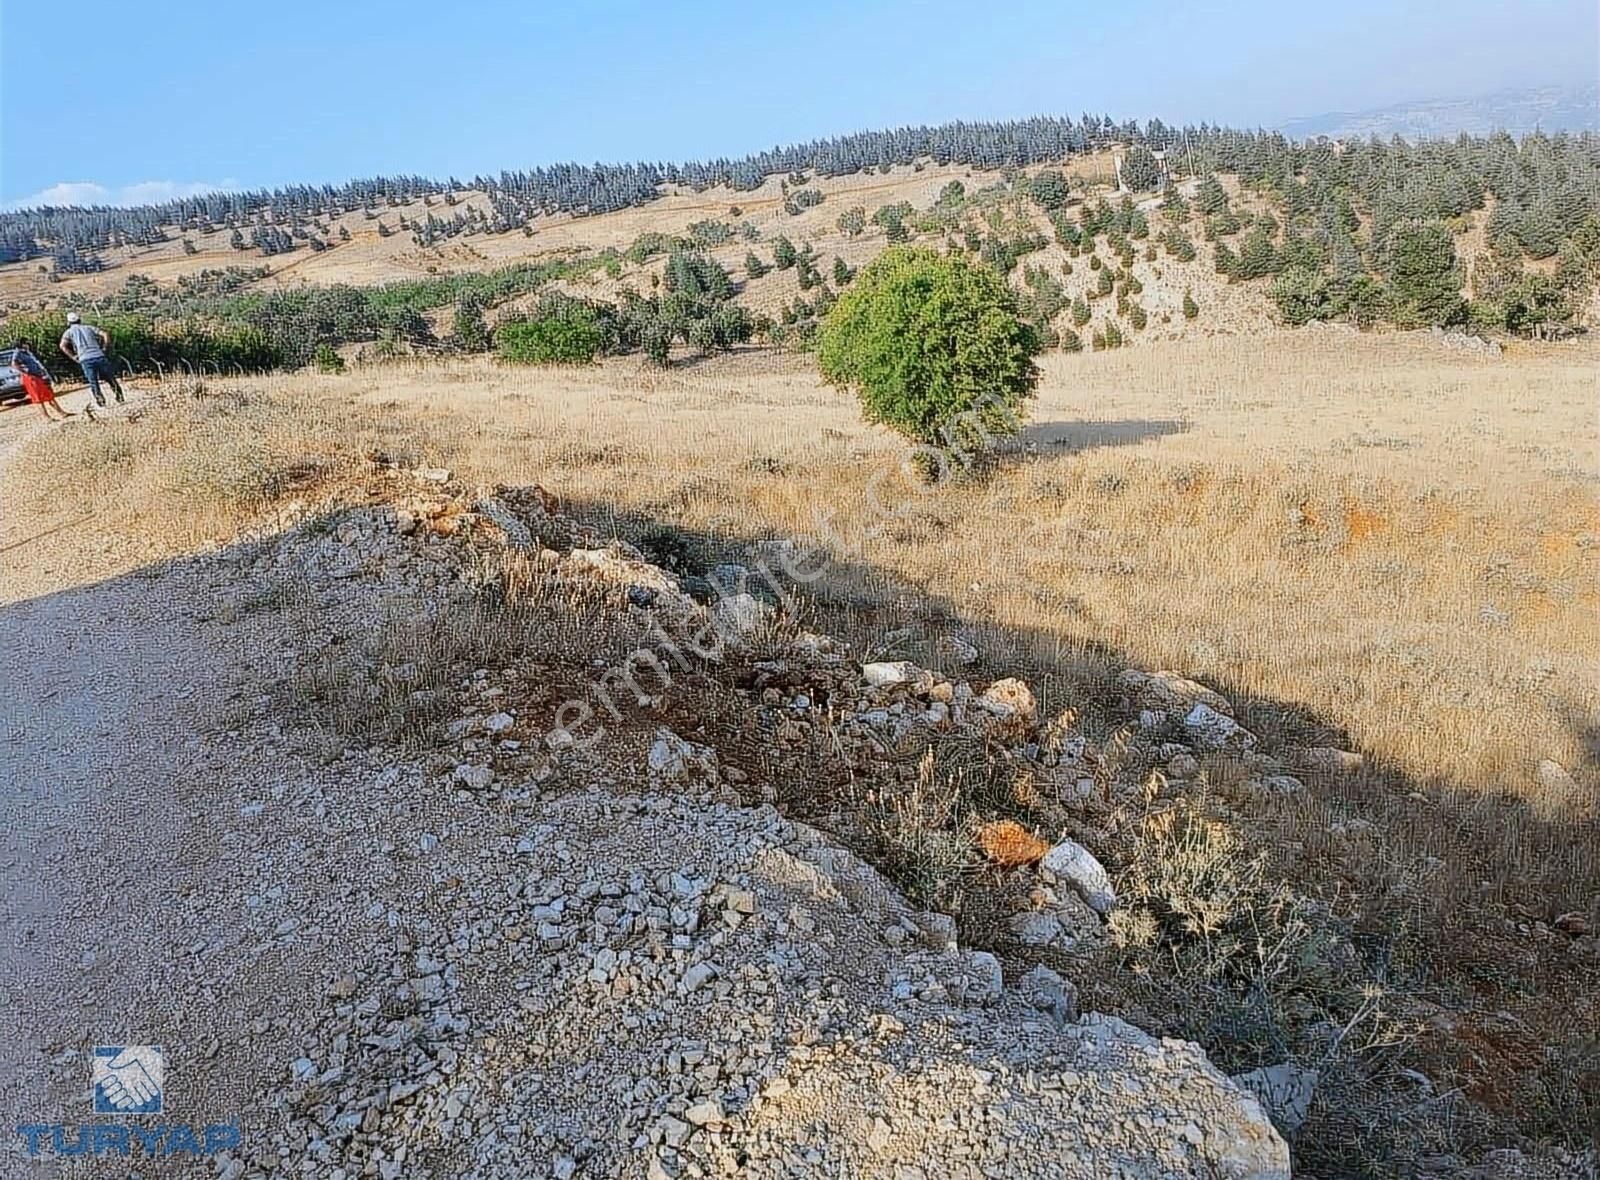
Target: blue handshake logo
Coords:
[[128, 1079]]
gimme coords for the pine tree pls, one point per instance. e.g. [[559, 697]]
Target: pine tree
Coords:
[[1049, 190], [1141, 171], [1190, 308], [1211, 197], [1424, 275], [783, 253], [753, 266]]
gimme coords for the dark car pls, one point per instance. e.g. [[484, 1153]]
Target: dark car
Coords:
[[10, 377]]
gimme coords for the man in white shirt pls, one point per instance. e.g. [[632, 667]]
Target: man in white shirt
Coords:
[[87, 345]]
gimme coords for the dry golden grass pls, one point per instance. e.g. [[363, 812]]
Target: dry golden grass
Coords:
[[1399, 539]]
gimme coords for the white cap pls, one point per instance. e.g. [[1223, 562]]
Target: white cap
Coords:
[[72, 317]]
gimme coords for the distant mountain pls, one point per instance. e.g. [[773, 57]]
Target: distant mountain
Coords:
[[1547, 108]]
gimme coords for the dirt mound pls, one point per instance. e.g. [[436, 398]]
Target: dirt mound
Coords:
[[569, 958]]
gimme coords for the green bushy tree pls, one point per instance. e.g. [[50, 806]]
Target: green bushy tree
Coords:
[[1424, 275], [1302, 295], [551, 340], [468, 330], [1049, 190], [1141, 171], [924, 338], [1211, 198]]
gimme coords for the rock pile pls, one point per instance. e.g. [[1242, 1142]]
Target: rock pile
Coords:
[[661, 985], [596, 963]]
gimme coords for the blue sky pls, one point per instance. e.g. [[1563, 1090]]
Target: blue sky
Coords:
[[176, 96]]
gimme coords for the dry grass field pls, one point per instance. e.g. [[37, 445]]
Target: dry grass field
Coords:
[[1398, 538], [1378, 542]]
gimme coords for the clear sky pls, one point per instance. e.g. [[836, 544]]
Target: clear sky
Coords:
[[127, 99]]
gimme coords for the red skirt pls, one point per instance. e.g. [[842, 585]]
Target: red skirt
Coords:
[[38, 389]]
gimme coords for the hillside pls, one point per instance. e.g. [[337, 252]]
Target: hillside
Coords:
[[1519, 112], [1103, 241], [367, 258]]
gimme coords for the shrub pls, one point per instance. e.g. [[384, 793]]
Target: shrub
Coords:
[[326, 360], [852, 221], [783, 253], [470, 332], [1190, 308], [1302, 295], [710, 232], [1048, 190], [552, 340], [753, 266], [802, 199], [923, 338]]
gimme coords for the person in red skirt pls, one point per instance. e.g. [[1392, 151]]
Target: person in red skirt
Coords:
[[36, 383]]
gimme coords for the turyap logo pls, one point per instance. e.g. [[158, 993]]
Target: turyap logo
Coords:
[[129, 1080]]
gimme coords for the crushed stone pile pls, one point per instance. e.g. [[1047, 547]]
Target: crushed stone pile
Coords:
[[545, 961]]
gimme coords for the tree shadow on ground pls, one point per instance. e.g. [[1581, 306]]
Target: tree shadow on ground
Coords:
[[1071, 438], [1451, 894]]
